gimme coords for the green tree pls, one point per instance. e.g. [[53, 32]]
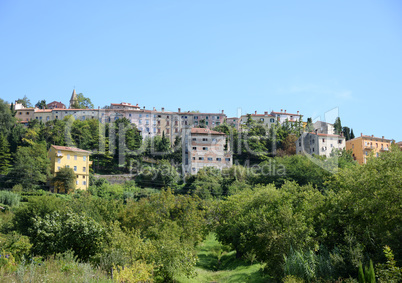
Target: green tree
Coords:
[[31, 167], [338, 126], [309, 127], [5, 156], [352, 135], [59, 232], [7, 119], [64, 181], [41, 104], [83, 102], [25, 101]]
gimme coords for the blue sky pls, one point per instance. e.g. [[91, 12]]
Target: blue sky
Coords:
[[311, 56]]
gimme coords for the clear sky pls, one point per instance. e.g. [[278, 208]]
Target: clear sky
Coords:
[[310, 56]]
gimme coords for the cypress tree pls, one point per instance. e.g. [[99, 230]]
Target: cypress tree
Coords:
[[361, 274], [5, 155], [352, 135], [338, 126]]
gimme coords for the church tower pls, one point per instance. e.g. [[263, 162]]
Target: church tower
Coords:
[[73, 100]]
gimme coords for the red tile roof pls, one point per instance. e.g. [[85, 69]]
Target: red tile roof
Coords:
[[326, 135], [285, 113], [67, 148], [205, 131]]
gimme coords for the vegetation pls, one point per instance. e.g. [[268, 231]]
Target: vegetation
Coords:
[[273, 216]]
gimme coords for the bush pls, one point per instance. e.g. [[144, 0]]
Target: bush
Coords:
[[9, 198]]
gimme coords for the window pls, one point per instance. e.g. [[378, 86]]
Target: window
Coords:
[[205, 148], [129, 115], [159, 131], [140, 115], [323, 140], [227, 159], [262, 119], [176, 130], [167, 123], [271, 120], [194, 148], [75, 157], [75, 168], [194, 139], [193, 169], [209, 158], [76, 182], [217, 117], [83, 177], [167, 131], [59, 160], [58, 167], [84, 158], [206, 118], [353, 146], [331, 145], [195, 117], [84, 169], [218, 159], [67, 166], [140, 121], [154, 130], [366, 153], [84, 183], [204, 139], [206, 123], [378, 154], [193, 158], [68, 156], [200, 158], [20, 113], [340, 141]]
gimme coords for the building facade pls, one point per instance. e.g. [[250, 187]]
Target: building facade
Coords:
[[319, 143], [365, 146], [74, 158], [55, 105], [265, 119], [203, 147]]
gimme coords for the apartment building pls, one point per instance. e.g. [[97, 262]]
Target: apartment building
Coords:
[[283, 116], [265, 119], [203, 147], [319, 143], [24, 115], [71, 157], [365, 146]]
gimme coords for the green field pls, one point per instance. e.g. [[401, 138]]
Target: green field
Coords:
[[217, 264]]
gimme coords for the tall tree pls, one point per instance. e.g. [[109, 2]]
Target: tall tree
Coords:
[[352, 135], [309, 127], [31, 167], [25, 101], [5, 156], [83, 102], [346, 133], [41, 104], [338, 126], [64, 181], [6, 118]]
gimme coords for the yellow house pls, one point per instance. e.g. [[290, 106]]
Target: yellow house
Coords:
[[364, 146], [74, 158]]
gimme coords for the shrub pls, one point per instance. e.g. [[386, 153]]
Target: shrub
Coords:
[[9, 198]]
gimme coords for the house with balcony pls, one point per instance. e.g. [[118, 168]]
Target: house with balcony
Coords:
[[365, 146], [203, 147], [319, 143], [74, 158]]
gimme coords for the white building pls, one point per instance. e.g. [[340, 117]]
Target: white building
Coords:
[[319, 143], [203, 147]]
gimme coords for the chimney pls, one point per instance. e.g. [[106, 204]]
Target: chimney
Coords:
[[361, 134], [285, 110], [372, 136], [179, 110], [382, 137], [316, 131], [297, 112], [144, 107], [255, 112], [154, 109], [223, 111], [266, 113], [137, 104], [98, 107], [281, 110], [163, 109]]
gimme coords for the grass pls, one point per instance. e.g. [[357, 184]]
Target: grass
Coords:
[[218, 264]]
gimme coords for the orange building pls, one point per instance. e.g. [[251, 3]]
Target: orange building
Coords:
[[365, 146]]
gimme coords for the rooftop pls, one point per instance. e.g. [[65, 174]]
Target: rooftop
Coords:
[[205, 131], [67, 148]]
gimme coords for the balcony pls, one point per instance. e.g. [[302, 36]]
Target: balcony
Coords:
[[368, 147]]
